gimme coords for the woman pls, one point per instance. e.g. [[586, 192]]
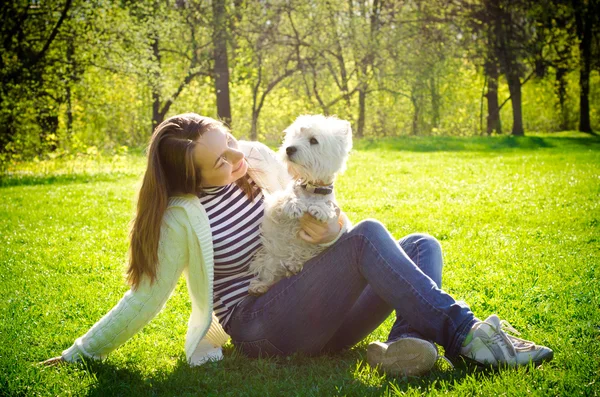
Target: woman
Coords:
[[199, 211]]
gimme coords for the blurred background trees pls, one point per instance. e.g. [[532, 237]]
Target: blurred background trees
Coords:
[[104, 73]]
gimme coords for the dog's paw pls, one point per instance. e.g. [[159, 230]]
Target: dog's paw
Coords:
[[294, 209], [257, 288], [293, 269], [320, 213]]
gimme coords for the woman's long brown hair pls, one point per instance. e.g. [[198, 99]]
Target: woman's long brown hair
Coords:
[[170, 171]]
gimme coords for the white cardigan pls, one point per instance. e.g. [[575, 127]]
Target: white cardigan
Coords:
[[185, 246]]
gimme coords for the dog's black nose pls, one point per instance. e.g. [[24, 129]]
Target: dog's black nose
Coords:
[[290, 150]]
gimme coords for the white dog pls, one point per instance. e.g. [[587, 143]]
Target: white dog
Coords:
[[315, 150]]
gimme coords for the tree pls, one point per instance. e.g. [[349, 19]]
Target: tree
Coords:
[[328, 64], [267, 43], [173, 48], [28, 33], [509, 28], [221, 63], [345, 53], [557, 26], [492, 75], [587, 13], [505, 31], [365, 32]]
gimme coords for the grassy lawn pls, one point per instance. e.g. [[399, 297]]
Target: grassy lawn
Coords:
[[518, 219]]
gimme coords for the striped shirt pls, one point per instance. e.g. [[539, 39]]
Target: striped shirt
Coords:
[[235, 227]]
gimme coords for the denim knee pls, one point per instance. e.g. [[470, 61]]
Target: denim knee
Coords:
[[369, 227], [426, 251], [424, 241]]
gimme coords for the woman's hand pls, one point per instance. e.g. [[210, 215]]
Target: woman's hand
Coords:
[[316, 232], [53, 361]]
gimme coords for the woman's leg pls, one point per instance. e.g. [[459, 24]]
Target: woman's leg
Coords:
[[426, 252], [370, 310], [302, 313]]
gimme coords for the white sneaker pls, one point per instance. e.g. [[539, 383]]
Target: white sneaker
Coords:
[[492, 346], [404, 356]]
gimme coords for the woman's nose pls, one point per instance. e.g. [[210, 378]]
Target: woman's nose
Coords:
[[235, 156]]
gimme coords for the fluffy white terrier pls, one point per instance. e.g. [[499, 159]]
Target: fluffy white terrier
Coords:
[[315, 150]]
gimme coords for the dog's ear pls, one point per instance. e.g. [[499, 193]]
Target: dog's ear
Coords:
[[344, 135], [348, 128]]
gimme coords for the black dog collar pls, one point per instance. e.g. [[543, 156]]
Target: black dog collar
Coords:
[[309, 187]]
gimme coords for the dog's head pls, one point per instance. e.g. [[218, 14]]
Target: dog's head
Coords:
[[315, 148]]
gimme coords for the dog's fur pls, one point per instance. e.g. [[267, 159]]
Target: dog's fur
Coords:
[[283, 253]]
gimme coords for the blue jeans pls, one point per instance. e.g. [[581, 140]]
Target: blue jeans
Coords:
[[347, 291]]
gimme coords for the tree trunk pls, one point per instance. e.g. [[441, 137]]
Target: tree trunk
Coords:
[[362, 99], [583, 24], [561, 91], [435, 103], [221, 64], [493, 117], [584, 31], [47, 119], [71, 62], [514, 86], [584, 103], [416, 115], [254, 128], [69, 111], [502, 42], [157, 117]]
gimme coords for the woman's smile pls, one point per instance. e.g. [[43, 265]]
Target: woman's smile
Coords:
[[239, 166]]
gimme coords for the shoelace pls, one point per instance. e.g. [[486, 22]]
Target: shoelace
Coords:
[[506, 325], [502, 337], [518, 343]]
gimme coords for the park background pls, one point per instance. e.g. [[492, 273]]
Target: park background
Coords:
[[473, 121], [102, 74]]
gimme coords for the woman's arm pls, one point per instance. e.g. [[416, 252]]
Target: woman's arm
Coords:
[[271, 170], [324, 234], [138, 306]]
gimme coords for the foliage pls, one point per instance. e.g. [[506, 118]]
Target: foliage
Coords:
[[106, 72], [518, 220]]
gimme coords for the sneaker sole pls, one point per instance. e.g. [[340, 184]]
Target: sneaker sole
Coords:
[[406, 356], [538, 361]]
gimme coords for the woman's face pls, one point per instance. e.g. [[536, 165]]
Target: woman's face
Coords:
[[218, 158]]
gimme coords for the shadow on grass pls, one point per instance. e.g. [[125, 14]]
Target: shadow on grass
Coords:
[[442, 379], [116, 381], [238, 375], [477, 144]]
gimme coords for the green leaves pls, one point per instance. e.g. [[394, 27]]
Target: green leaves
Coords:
[[116, 68]]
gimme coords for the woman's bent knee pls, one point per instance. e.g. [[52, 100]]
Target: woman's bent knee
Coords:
[[368, 226], [423, 240]]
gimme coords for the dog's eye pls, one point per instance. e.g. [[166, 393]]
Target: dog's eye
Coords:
[[313, 141]]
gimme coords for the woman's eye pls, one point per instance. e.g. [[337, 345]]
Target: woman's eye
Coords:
[[313, 141], [229, 139]]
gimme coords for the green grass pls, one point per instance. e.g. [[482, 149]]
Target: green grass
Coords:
[[518, 219]]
